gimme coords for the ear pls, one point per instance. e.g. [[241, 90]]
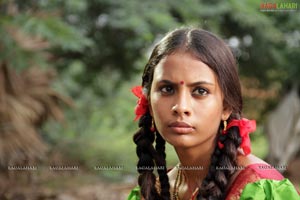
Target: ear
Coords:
[[226, 112]]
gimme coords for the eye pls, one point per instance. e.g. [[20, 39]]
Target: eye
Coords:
[[199, 91], [167, 89]]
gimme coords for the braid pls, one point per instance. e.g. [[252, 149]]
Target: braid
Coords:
[[144, 139], [162, 169], [223, 166]]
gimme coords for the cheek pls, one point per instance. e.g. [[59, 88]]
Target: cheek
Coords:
[[210, 114], [158, 109], [155, 107]]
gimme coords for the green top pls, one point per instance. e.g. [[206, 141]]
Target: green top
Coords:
[[134, 194], [263, 189], [270, 190]]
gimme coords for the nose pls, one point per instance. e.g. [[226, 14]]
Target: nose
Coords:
[[182, 106]]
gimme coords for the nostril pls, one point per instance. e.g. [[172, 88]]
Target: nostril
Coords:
[[187, 113]]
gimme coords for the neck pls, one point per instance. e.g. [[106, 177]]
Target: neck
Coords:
[[195, 162]]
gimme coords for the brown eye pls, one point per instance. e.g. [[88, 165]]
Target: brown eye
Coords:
[[200, 91], [167, 89]]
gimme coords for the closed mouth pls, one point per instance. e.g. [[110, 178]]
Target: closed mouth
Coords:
[[181, 127]]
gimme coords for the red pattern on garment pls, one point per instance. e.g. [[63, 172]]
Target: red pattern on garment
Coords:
[[250, 174]]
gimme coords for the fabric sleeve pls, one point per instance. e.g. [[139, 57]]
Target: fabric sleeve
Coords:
[[270, 190], [134, 194]]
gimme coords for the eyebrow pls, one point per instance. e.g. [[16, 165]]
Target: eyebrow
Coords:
[[190, 84]]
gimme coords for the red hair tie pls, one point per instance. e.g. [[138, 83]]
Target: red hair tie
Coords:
[[246, 127], [142, 103]]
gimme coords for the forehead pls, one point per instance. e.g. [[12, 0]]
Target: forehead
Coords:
[[183, 66]]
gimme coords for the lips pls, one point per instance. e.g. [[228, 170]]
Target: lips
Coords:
[[181, 127]]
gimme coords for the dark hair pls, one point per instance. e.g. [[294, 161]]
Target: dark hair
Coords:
[[212, 51]]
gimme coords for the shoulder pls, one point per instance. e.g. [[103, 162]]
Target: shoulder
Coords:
[[252, 170], [253, 165], [249, 159]]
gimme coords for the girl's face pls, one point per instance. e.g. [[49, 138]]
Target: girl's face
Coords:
[[186, 101]]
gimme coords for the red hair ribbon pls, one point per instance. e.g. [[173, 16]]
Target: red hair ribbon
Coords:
[[142, 103], [246, 126]]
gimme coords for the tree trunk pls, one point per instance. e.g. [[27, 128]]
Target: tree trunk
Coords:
[[283, 130]]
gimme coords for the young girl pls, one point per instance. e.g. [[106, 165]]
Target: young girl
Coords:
[[191, 98]]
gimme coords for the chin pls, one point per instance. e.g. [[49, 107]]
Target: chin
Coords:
[[180, 142]]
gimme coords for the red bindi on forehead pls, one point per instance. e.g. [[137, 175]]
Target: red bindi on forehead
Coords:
[[181, 82]]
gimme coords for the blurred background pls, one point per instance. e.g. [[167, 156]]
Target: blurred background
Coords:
[[67, 67]]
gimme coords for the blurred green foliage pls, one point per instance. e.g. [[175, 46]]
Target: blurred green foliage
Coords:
[[99, 48], [29, 33]]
